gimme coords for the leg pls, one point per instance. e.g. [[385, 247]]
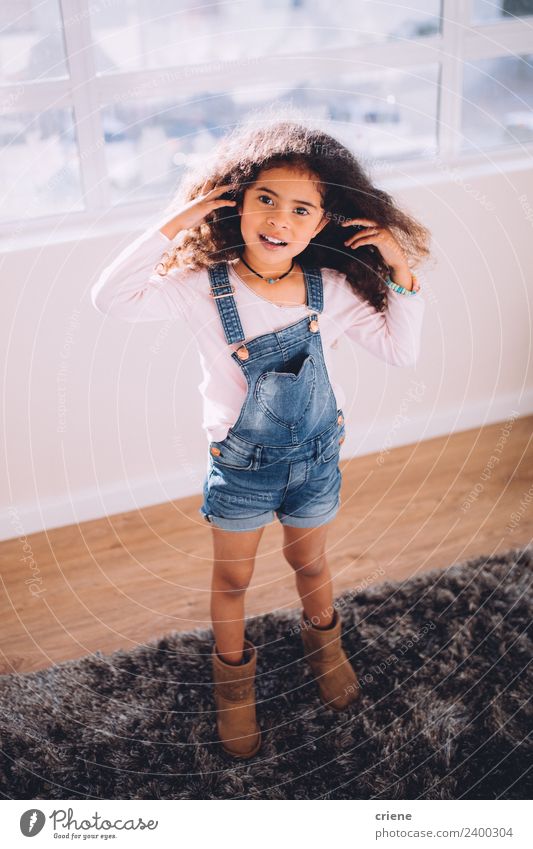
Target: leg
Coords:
[[337, 681], [305, 551], [233, 566]]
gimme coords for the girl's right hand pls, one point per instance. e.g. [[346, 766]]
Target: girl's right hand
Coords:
[[196, 210]]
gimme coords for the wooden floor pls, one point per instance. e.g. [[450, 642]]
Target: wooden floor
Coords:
[[119, 581]]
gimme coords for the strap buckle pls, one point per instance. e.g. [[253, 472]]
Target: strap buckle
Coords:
[[222, 286]]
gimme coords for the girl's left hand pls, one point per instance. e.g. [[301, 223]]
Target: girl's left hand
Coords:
[[389, 248]]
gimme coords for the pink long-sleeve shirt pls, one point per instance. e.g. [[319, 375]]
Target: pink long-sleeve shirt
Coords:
[[131, 290]]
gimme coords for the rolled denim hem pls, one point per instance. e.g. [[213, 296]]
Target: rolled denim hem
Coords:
[[309, 521], [251, 523]]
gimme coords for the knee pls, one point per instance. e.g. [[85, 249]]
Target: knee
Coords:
[[234, 581], [231, 587], [306, 566]]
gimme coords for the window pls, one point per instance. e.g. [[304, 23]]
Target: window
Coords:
[[149, 143], [104, 105], [40, 167], [140, 34], [485, 11], [31, 41], [497, 102]]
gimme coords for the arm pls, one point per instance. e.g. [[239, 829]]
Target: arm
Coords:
[[131, 290], [394, 335]]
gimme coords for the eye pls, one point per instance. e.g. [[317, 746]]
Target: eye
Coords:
[[298, 208]]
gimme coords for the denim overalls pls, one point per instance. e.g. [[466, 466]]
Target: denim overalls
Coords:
[[281, 455]]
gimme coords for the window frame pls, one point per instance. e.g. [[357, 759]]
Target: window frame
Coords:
[[84, 92]]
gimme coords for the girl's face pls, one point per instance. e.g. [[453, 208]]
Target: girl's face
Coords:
[[283, 205]]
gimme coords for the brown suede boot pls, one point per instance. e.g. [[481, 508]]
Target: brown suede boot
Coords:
[[238, 730], [334, 674]]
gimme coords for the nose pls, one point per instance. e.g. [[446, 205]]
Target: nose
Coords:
[[279, 219]]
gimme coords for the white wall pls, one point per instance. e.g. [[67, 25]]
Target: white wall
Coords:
[[130, 433]]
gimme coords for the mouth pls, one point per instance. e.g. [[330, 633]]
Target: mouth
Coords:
[[271, 241]]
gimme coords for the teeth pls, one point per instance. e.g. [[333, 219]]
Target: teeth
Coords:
[[273, 241]]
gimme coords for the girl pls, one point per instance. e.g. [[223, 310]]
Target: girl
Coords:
[[273, 251]]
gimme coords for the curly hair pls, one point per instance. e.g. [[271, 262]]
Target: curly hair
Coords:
[[345, 189]]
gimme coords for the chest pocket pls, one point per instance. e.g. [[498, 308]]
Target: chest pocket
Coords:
[[284, 396]]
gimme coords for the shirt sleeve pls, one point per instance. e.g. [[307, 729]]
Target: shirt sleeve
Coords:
[[131, 290], [393, 335]]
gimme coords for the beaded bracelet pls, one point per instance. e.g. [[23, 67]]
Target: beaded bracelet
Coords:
[[401, 289]]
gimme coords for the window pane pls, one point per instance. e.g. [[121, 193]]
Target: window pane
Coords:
[[385, 115], [39, 164], [140, 34], [31, 41], [491, 11], [498, 102]]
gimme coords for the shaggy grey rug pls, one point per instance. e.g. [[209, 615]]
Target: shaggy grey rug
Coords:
[[444, 711]]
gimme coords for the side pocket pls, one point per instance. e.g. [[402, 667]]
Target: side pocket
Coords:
[[229, 457], [332, 449]]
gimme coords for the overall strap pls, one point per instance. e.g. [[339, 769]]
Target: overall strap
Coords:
[[315, 290], [222, 291]]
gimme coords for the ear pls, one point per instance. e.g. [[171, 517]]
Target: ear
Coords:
[[320, 226]]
